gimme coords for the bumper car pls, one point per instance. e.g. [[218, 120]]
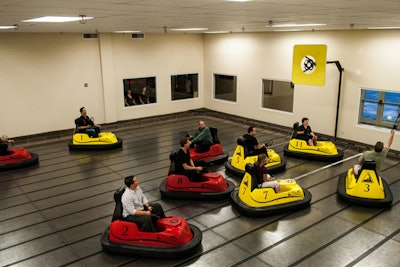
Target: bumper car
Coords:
[[212, 157], [105, 141], [323, 150], [257, 202], [240, 158], [366, 189], [175, 238], [17, 157], [213, 185]]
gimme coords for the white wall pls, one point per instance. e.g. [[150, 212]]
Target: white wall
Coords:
[[159, 55], [370, 58], [43, 75]]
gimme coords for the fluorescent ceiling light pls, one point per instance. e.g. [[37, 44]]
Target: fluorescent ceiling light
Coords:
[[288, 30], [384, 28], [57, 19], [296, 25], [8, 27], [239, 0], [218, 32], [189, 29], [127, 31]]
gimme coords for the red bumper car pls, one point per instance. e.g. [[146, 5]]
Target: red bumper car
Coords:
[[212, 157], [17, 157], [212, 186], [175, 238]]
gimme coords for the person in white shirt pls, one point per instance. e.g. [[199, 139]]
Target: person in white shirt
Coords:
[[137, 209]]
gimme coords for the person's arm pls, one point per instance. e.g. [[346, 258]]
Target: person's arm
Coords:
[[259, 146], [129, 206], [390, 141], [85, 126], [310, 131], [80, 124], [197, 135], [191, 168], [147, 205], [90, 121], [300, 129], [361, 159]]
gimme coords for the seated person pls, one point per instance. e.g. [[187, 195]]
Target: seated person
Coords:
[[129, 100], [184, 164], [4, 141], [136, 208], [251, 143], [305, 133], [263, 178], [202, 138], [86, 125], [143, 98], [378, 155]]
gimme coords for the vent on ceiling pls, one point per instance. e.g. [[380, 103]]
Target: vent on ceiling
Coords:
[[138, 35], [90, 36]]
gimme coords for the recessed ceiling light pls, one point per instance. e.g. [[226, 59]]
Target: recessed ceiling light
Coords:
[[189, 29], [57, 19], [296, 25], [8, 27]]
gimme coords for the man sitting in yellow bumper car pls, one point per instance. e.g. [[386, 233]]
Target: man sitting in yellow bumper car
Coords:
[[87, 135], [304, 144], [247, 151]]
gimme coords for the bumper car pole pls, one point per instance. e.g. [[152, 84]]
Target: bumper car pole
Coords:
[[339, 66]]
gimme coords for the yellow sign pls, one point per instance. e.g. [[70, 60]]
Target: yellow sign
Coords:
[[309, 64]]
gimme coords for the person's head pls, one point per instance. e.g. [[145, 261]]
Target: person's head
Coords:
[[82, 110], [252, 130], [129, 92], [131, 181], [184, 142], [202, 124], [378, 147], [304, 121], [144, 90], [262, 159]]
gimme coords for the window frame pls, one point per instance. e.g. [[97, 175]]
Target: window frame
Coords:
[[194, 81], [380, 102], [234, 87], [269, 89]]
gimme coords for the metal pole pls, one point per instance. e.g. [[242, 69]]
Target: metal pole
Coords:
[[337, 63]]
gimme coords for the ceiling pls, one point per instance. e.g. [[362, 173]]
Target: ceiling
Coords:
[[158, 16]]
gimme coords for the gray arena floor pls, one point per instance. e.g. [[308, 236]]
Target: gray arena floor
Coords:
[[53, 214]]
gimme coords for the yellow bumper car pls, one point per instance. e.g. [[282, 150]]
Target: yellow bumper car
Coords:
[[105, 140], [257, 202], [366, 189], [236, 165], [323, 150]]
